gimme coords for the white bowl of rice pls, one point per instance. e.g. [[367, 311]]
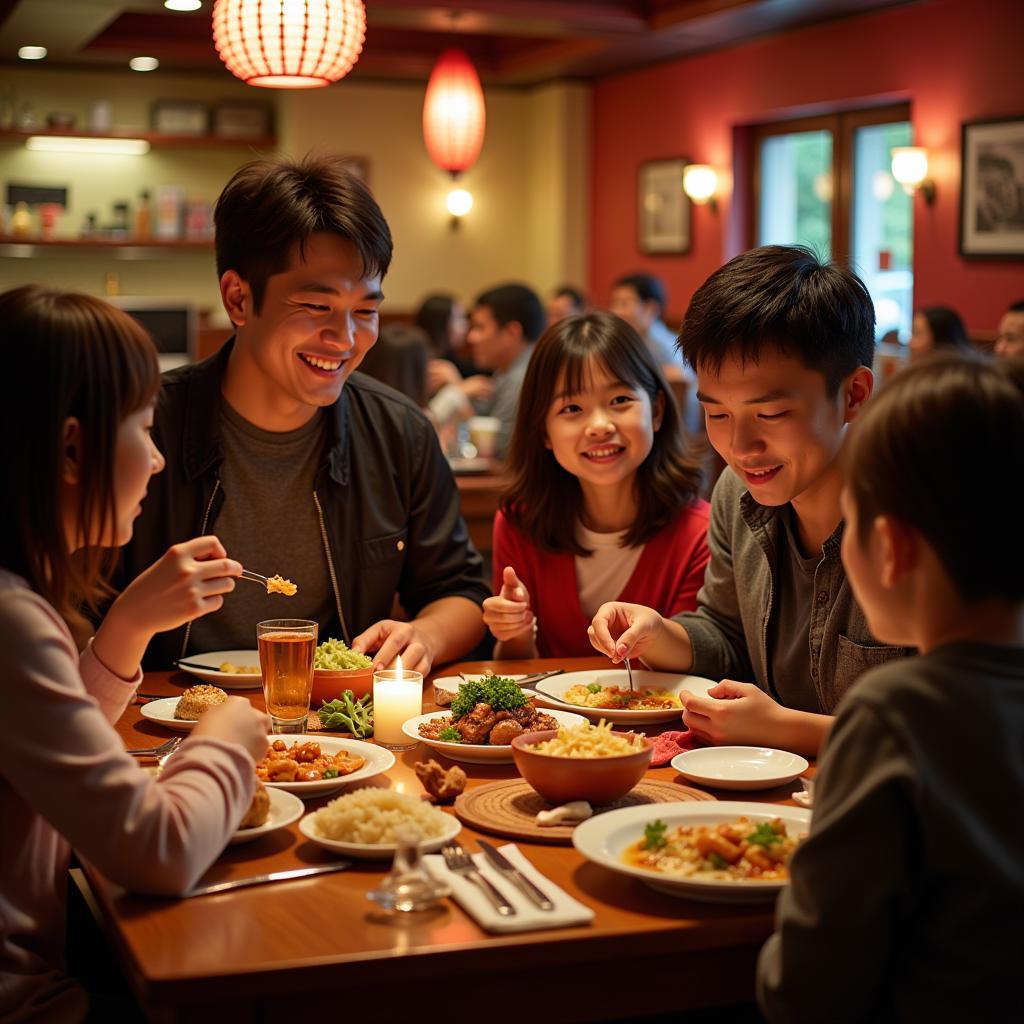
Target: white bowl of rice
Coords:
[[365, 823]]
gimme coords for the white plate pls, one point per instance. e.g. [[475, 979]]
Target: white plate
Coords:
[[739, 767], [604, 838], [225, 680], [376, 851], [475, 753], [162, 712], [284, 809], [446, 687], [551, 690], [377, 759], [469, 467]]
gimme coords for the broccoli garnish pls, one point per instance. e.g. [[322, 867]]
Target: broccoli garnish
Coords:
[[502, 694], [449, 734], [654, 835], [594, 687]]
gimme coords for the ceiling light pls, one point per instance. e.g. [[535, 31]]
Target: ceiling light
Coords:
[[183, 5], [143, 63], [32, 52], [71, 144], [289, 44]]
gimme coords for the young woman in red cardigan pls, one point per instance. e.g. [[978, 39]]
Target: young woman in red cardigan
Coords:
[[603, 502]]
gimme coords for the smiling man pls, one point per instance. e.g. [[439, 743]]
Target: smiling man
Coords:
[[782, 345], [300, 465]]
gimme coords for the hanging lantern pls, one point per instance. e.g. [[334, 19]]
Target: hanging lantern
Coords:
[[289, 44], [453, 113]]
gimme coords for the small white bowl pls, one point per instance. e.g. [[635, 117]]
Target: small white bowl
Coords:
[[739, 767], [375, 851]]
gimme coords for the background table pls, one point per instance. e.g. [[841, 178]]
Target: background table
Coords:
[[317, 946]]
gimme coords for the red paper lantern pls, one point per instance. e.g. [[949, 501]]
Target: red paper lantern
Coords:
[[289, 44], [453, 113]]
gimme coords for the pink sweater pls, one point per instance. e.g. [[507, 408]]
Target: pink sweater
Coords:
[[666, 578], [65, 781]]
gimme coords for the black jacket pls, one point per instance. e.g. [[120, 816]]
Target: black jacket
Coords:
[[389, 508]]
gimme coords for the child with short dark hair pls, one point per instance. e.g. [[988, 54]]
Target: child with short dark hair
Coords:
[[906, 897], [782, 345]]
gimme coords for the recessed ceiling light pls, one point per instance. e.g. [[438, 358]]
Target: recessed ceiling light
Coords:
[[32, 52], [143, 63], [183, 5]]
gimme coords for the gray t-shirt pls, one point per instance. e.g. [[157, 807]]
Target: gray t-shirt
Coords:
[[269, 523], [790, 625]]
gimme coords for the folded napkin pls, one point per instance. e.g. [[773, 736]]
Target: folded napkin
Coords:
[[567, 912], [668, 744]]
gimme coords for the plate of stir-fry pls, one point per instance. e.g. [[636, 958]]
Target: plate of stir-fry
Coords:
[[728, 851]]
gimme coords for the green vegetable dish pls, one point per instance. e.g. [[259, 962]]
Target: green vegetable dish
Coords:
[[335, 656], [502, 694], [346, 714]]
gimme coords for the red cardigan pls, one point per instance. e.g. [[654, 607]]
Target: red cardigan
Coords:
[[667, 577]]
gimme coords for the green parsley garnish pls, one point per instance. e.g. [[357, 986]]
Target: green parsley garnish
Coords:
[[449, 734], [654, 835], [716, 860], [501, 693], [764, 835], [594, 687], [330, 773]]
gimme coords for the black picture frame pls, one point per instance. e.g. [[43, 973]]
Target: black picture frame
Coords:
[[992, 189]]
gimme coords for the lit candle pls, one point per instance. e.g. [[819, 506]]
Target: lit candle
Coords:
[[397, 697]]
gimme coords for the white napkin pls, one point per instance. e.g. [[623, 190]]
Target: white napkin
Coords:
[[528, 917]]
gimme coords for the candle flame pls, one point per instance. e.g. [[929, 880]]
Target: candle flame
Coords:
[[398, 668]]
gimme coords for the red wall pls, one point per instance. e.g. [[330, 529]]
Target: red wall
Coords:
[[954, 60]]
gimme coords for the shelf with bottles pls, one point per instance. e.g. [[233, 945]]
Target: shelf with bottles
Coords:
[[153, 138]]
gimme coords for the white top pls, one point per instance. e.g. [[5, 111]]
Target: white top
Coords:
[[602, 576], [65, 780]]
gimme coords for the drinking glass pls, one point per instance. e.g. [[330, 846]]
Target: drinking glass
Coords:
[[286, 662]]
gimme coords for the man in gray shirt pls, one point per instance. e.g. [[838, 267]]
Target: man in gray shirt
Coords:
[[782, 346], [503, 325]]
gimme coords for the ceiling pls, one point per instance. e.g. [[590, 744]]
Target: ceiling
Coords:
[[512, 42]]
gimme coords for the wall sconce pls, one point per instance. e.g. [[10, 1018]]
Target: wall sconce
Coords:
[[459, 203], [699, 183], [910, 169]]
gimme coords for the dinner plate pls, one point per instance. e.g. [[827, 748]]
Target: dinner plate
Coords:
[[604, 838], [739, 767], [377, 760], [162, 712], [284, 809], [205, 666], [376, 851], [470, 467], [475, 753], [550, 692]]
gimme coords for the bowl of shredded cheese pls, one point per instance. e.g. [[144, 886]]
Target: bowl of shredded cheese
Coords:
[[582, 762]]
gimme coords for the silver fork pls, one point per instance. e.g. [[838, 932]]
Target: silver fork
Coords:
[[163, 751], [459, 862]]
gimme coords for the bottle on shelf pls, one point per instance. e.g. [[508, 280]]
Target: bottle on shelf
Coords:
[[111, 283], [21, 221], [143, 217]]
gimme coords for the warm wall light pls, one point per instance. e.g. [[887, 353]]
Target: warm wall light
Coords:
[[454, 115], [32, 52], [699, 183], [459, 203], [289, 44], [183, 5], [143, 63], [910, 169], [71, 144]]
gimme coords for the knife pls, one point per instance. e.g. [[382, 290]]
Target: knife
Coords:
[[273, 876], [506, 867]]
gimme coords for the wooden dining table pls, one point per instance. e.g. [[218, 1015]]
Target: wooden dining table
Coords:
[[316, 948]]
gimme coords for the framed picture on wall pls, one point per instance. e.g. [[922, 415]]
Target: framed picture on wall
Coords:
[[992, 189], [663, 209]]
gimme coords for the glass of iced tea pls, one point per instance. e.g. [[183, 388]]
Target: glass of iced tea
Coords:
[[286, 663]]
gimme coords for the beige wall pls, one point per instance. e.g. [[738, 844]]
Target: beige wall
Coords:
[[529, 185]]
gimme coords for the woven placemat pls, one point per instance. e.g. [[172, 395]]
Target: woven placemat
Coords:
[[509, 808]]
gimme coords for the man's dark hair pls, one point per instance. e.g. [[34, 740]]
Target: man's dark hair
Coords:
[[647, 287], [781, 297], [947, 410], [515, 303], [573, 294], [1016, 307], [270, 206]]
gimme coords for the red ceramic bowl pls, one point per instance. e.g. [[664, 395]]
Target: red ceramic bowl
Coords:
[[327, 684], [560, 780]]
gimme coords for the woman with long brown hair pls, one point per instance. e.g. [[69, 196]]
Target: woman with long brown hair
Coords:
[[75, 424], [604, 495]]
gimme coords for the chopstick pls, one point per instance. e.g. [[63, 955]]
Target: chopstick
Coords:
[[254, 577]]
